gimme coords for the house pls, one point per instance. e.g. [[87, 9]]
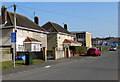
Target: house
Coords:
[[58, 36], [28, 33], [96, 41], [84, 38]]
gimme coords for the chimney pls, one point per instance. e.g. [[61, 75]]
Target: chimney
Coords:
[[36, 20], [4, 14], [65, 26]]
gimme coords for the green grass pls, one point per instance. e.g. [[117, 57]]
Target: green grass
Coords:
[[19, 63]]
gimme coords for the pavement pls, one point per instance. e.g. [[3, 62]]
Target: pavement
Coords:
[[7, 72]]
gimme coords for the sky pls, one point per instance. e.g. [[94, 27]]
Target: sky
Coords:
[[61, 0], [98, 18]]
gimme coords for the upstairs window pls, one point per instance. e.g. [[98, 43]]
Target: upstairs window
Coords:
[[81, 36], [20, 32]]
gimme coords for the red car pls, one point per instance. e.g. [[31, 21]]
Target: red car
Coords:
[[94, 51]]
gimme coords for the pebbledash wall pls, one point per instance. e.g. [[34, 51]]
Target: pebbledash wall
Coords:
[[61, 37], [6, 36], [56, 40], [21, 36]]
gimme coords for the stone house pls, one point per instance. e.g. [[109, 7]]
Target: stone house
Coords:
[[27, 33], [57, 35]]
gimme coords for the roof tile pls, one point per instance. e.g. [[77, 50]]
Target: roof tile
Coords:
[[54, 27], [70, 41], [29, 39], [21, 21]]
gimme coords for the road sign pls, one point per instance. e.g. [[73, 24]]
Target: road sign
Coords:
[[13, 37]]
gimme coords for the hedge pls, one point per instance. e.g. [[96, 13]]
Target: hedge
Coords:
[[78, 49]]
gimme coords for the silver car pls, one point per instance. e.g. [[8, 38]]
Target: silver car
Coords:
[[113, 49]]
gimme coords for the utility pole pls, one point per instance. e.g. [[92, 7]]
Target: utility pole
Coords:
[[15, 30]]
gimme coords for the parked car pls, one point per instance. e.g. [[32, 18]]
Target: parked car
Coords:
[[94, 51], [113, 48]]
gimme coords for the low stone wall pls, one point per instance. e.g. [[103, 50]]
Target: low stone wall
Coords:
[[60, 54], [6, 54], [6, 57]]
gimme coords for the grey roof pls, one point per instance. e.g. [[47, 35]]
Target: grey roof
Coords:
[[53, 27], [21, 21]]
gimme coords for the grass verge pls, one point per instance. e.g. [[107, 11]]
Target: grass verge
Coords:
[[18, 63]]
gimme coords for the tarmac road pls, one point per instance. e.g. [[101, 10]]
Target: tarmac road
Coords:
[[104, 67]]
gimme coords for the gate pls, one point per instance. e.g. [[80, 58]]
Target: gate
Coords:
[[50, 55]]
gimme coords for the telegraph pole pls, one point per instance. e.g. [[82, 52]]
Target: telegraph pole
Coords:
[[15, 31]]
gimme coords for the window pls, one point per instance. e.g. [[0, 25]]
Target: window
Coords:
[[20, 32], [27, 31], [20, 48], [81, 36], [34, 47], [42, 35]]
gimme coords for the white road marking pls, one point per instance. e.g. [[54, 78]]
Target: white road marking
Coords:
[[47, 66]]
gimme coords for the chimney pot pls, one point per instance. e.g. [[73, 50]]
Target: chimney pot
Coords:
[[65, 26], [4, 14], [36, 20]]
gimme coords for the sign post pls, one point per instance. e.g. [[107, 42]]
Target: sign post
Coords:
[[13, 40], [14, 33]]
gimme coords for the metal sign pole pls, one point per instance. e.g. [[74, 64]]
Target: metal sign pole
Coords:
[[14, 54], [15, 33]]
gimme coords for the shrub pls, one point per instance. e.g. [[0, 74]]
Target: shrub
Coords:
[[78, 49]]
